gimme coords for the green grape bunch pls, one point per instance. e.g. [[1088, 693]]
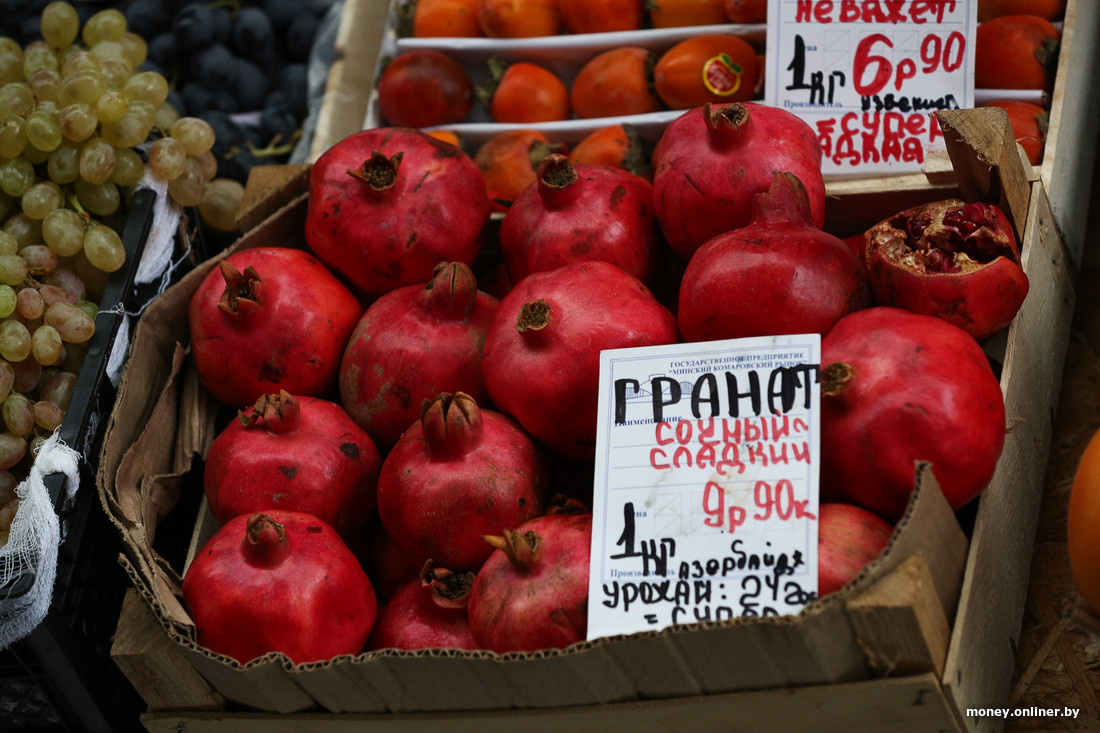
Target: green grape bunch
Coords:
[[80, 127]]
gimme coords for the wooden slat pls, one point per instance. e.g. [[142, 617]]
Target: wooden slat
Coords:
[[987, 626], [903, 705], [1072, 133], [900, 622], [152, 662]]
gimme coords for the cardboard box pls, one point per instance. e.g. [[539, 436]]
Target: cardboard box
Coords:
[[948, 608]]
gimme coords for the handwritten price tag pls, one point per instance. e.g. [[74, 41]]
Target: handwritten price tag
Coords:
[[706, 485], [866, 74]]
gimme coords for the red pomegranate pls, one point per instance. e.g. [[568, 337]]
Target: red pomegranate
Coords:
[[387, 205], [578, 212], [426, 613], [410, 345], [849, 537], [955, 260], [778, 275], [459, 473], [899, 388], [532, 592], [279, 582], [269, 319], [542, 355], [712, 160], [299, 454]]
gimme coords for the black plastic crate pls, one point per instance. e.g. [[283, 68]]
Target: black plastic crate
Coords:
[[61, 677]]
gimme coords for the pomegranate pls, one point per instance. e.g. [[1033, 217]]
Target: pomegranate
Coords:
[[426, 613], [542, 355], [299, 454], [459, 473], [712, 160], [849, 537], [899, 388], [778, 275], [268, 319], [410, 345], [955, 260], [532, 592], [387, 205], [279, 581], [578, 212]]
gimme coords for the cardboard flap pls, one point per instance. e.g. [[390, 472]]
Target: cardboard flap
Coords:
[[928, 527]]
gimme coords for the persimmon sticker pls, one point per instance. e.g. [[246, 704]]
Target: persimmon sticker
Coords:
[[705, 496], [868, 74], [721, 75]]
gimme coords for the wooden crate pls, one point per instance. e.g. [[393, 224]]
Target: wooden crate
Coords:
[[971, 669], [1066, 163]]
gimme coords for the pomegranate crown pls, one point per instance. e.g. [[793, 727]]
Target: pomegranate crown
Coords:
[[244, 291], [451, 424]]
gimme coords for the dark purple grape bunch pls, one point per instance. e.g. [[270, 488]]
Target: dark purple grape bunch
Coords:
[[244, 64]]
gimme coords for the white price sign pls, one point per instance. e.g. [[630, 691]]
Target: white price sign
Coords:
[[868, 74], [706, 487]]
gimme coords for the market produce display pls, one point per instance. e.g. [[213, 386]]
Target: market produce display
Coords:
[[458, 471], [426, 486]]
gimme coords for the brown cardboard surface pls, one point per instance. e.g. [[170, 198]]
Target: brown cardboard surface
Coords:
[[816, 651]]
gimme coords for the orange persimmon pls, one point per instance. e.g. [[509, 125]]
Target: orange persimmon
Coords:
[[681, 13], [519, 18], [446, 19], [714, 67], [1029, 125], [508, 163], [447, 136], [524, 92], [615, 82], [601, 16], [989, 9], [1015, 52], [1083, 525], [747, 11], [617, 146]]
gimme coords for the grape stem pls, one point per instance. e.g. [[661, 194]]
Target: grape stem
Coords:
[[75, 203], [273, 148]]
